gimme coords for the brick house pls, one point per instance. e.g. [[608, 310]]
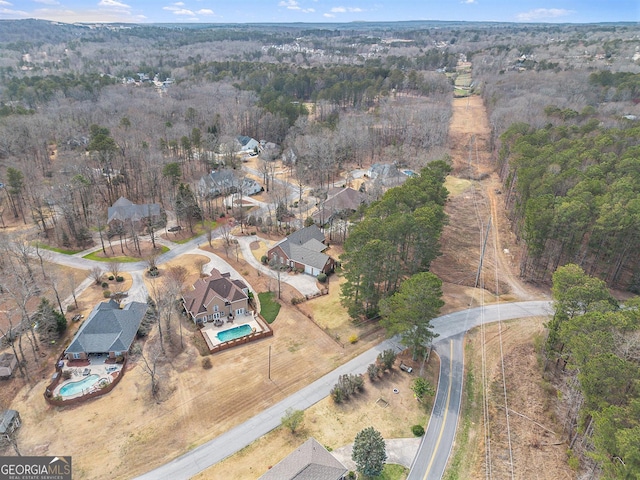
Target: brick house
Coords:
[[216, 298], [303, 250]]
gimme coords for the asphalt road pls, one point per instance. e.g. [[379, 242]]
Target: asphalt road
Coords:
[[437, 442], [436, 445]]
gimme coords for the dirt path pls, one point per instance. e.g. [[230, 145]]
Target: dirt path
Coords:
[[469, 211]]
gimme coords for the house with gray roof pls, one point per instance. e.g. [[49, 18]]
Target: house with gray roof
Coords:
[[386, 174], [226, 182], [125, 212], [109, 329], [9, 423], [248, 144], [339, 202], [8, 362], [310, 461], [303, 250]]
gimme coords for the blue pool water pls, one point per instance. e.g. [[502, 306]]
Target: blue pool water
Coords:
[[233, 333], [77, 387]]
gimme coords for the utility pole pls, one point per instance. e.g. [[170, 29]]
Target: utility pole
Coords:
[[269, 362], [484, 245]]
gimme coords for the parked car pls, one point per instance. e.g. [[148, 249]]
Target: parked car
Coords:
[[405, 368]]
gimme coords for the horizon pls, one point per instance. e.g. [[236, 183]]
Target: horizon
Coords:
[[140, 12]]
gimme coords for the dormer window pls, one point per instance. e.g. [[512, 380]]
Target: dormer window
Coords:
[[215, 308]]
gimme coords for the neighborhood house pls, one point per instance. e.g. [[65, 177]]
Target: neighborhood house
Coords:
[[125, 212], [303, 250], [8, 362], [309, 461], [216, 298], [9, 423], [225, 182], [110, 329]]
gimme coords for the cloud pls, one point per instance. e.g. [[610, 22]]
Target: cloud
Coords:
[[346, 9], [46, 2], [112, 3], [2, 2], [205, 11], [468, 2], [329, 15], [290, 4], [543, 13], [179, 4], [294, 5]]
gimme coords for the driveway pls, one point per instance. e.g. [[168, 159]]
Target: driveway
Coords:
[[305, 284]]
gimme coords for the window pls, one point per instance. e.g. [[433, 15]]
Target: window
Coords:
[[76, 356], [216, 316], [240, 311], [215, 308]]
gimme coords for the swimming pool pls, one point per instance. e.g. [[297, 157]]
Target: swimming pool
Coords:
[[74, 388], [233, 333]]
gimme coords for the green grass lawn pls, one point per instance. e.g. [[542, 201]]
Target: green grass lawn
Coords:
[[55, 249], [269, 307], [198, 229], [391, 471], [122, 258]]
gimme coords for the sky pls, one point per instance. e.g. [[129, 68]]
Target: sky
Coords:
[[321, 11]]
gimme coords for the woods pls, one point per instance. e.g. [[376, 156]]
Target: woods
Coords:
[[572, 191], [596, 340], [397, 237]]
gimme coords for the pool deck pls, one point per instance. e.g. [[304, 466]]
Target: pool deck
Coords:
[[209, 330], [97, 366]]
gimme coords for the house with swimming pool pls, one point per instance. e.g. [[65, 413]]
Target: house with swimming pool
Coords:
[[109, 330], [216, 299]]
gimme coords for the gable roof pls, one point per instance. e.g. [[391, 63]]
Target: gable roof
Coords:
[[6, 419], [108, 328], [305, 246], [310, 461], [125, 210], [217, 285], [338, 200], [8, 360]]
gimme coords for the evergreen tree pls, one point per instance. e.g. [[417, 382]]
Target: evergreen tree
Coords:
[[369, 452]]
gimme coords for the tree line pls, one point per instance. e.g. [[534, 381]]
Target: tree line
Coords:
[[573, 194], [595, 341], [397, 237]]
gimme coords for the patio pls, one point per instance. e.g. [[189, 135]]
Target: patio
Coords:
[[100, 366]]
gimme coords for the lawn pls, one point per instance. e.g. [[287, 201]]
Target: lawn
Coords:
[[269, 307], [198, 229], [55, 249], [97, 256]]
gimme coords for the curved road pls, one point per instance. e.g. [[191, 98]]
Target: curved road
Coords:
[[437, 442]]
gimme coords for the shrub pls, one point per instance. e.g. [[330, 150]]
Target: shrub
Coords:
[[120, 359], [297, 300], [206, 363], [322, 277], [119, 279], [422, 388], [106, 293], [110, 277], [386, 359], [417, 430], [337, 394], [66, 374], [353, 339], [373, 371], [264, 259], [105, 284]]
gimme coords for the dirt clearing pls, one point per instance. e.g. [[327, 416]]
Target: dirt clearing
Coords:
[[537, 448]]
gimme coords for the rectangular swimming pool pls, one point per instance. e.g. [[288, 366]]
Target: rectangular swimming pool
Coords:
[[233, 333]]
